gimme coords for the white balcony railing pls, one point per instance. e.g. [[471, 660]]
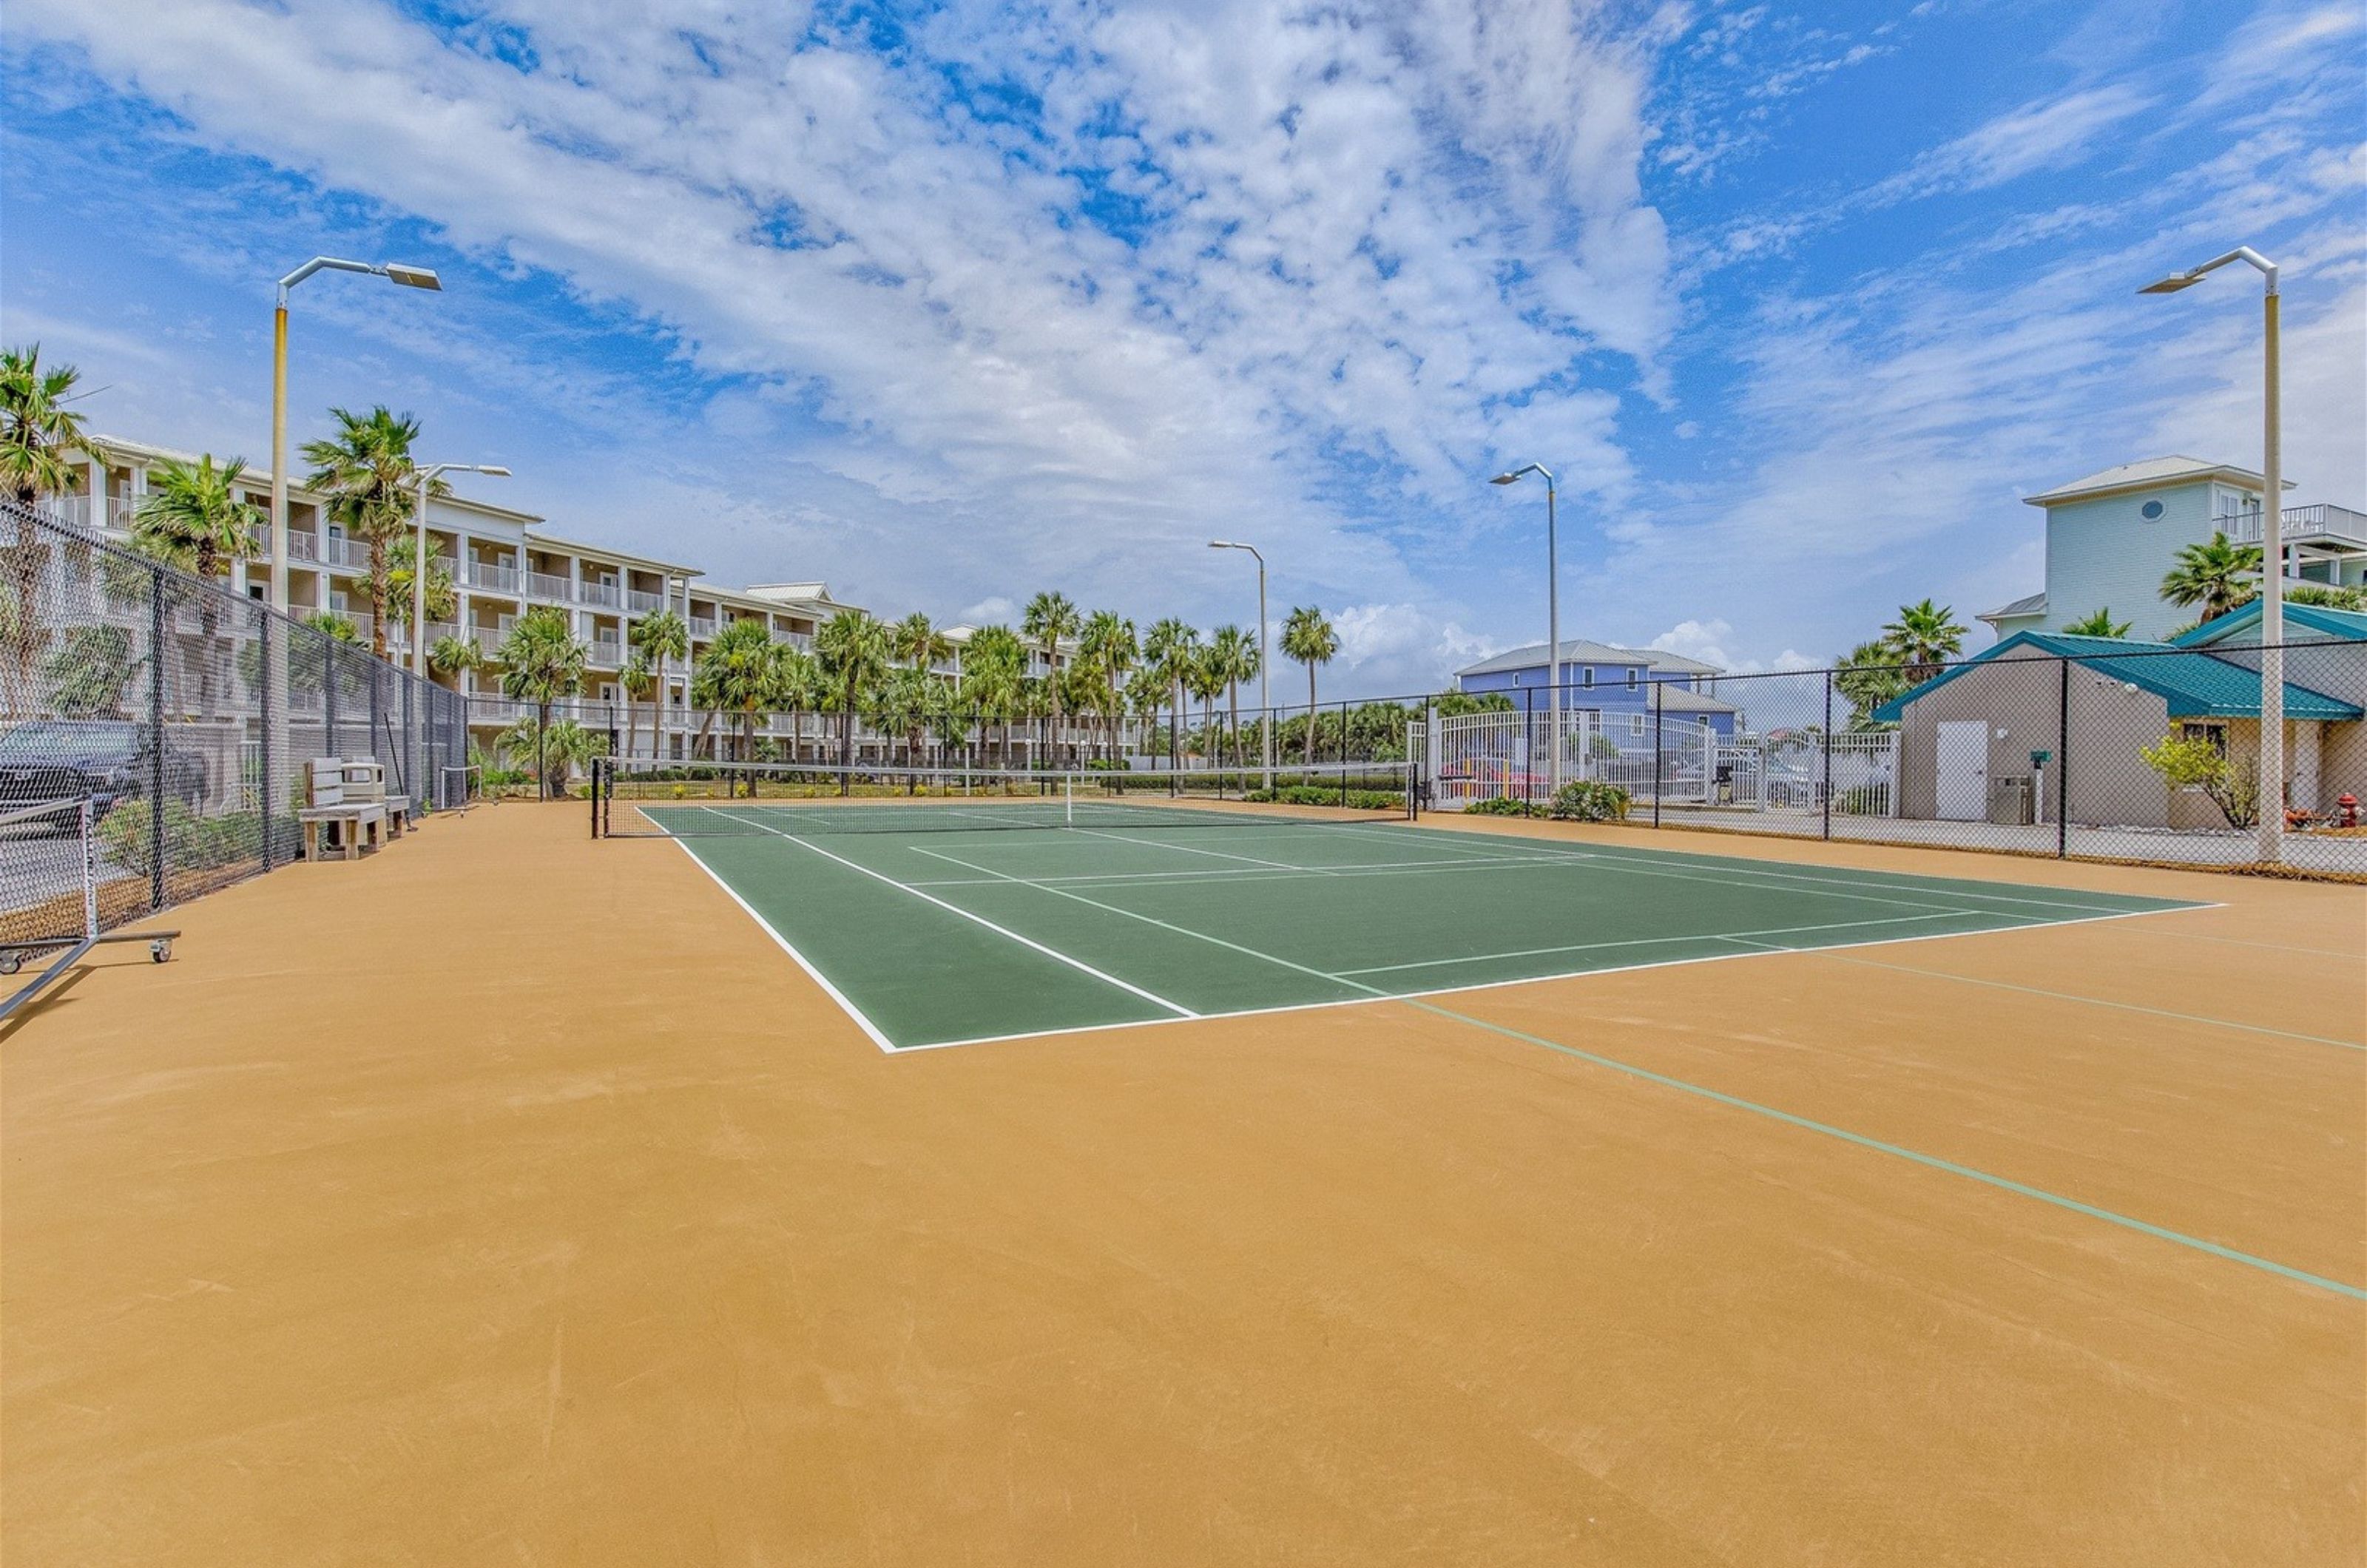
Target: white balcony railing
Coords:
[[2300, 521], [492, 577], [702, 626], [607, 652], [640, 604], [543, 585], [606, 595], [351, 555]]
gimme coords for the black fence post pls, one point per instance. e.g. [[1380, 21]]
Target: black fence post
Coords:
[[1659, 705], [329, 694], [156, 738], [1343, 755], [1827, 748], [2062, 761], [266, 815]]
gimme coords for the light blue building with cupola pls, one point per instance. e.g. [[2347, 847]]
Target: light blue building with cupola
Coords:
[[2113, 535]]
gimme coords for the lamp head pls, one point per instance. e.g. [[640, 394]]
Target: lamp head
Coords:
[[1220, 544], [413, 276], [495, 470], [2173, 283], [1504, 478]]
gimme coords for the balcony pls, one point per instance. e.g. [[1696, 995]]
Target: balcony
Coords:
[[349, 555], [640, 604], [603, 596], [702, 626], [492, 577], [543, 585], [607, 652], [2338, 527]]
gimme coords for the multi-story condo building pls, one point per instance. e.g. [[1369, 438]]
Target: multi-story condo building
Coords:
[[502, 562], [2111, 535]]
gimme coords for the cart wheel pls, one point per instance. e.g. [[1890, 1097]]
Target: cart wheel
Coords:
[[160, 949], [10, 963]]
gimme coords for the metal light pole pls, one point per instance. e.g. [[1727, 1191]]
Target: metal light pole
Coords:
[[1265, 661], [1553, 621], [2273, 549], [395, 271], [427, 477]]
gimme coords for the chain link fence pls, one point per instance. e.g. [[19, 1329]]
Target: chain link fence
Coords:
[[2144, 755], [184, 714]]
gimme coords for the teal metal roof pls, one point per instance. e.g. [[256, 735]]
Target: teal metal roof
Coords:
[[2194, 685], [2303, 623]]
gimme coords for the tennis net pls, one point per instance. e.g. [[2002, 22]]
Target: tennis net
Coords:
[[638, 798]]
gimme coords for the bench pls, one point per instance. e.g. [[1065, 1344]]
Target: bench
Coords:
[[327, 805]]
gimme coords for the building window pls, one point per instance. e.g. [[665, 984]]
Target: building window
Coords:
[[1587, 676], [2216, 734], [1631, 677], [2151, 511]]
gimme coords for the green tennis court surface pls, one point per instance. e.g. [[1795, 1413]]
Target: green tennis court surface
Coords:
[[940, 936]]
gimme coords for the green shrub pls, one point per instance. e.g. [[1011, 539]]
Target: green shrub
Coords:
[[1317, 794], [1590, 800], [191, 842], [1502, 805]]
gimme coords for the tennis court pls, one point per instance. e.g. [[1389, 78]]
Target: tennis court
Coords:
[[932, 923]]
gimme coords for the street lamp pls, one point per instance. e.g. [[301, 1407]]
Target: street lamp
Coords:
[[1265, 702], [1553, 621], [2273, 550], [393, 272], [427, 477]]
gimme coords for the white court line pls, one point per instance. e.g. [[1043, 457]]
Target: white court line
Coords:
[[1227, 875], [1464, 990], [1189, 850], [1634, 863], [1052, 953], [1659, 941], [816, 975]]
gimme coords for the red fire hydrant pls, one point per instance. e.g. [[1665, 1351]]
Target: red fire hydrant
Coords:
[[2348, 806]]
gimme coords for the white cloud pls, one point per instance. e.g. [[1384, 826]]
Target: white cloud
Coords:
[[1707, 640], [1397, 649], [2045, 134]]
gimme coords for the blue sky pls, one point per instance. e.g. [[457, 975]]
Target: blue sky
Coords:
[[949, 303]]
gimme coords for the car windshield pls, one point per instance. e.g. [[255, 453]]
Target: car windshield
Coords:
[[48, 737]]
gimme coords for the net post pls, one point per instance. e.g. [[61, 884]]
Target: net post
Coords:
[[597, 768], [262, 785], [1069, 800]]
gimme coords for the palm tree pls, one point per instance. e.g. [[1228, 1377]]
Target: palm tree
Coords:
[[35, 429], [193, 520], [1146, 694], [1205, 680], [909, 699], [1107, 647], [1048, 621], [852, 650], [634, 679], [366, 472], [739, 674], [995, 679], [1170, 647], [542, 660], [917, 642], [659, 637], [1869, 676], [561, 750], [1923, 639], [1308, 637], [1233, 655], [452, 656], [2218, 574], [443, 600], [2101, 623]]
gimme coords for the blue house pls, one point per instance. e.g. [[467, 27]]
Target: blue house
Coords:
[[2111, 535], [1614, 686]]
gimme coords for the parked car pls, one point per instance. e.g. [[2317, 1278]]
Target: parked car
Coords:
[[109, 760]]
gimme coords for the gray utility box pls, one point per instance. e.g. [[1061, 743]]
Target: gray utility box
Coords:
[[2010, 799]]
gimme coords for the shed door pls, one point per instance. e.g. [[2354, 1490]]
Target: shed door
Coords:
[[1963, 769]]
